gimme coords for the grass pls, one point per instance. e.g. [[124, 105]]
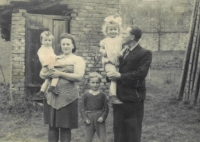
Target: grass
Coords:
[[165, 118]]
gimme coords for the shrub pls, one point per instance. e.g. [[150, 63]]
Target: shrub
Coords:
[[15, 103], [4, 95]]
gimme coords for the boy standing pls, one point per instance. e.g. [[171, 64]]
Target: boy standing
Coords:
[[94, 109]]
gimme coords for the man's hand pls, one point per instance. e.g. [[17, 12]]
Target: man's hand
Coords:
[[113, 75], [100, 119], [87, 121]]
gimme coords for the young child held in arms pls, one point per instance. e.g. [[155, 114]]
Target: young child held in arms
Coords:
[[111, 50], [48, 59], [94, 109]]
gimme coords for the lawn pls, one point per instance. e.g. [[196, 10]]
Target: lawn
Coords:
[[165, 119]]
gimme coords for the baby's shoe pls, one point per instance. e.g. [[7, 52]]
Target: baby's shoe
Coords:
[[39, 96], [114, 100], [53, 90]]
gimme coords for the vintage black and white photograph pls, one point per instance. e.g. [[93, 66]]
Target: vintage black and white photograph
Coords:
[[99, 71]]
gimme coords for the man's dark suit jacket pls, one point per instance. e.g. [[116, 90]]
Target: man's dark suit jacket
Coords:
[[134, 69]]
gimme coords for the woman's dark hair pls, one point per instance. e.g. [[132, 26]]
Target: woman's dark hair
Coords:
[[68, 36]]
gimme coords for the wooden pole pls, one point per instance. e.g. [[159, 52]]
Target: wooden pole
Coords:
[[196, 58], [188, 51], [196, 88], [189, 81], [189, 74], [196, 73], [3, 75]]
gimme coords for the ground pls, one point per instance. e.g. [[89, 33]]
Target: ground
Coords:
[[165, 118]]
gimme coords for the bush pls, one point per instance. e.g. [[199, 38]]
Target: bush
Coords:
[[15, 103], [4, 96]]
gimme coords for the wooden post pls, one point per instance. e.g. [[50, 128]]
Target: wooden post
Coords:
[[188, 51], [194, 73], [3, 75], [196, 88], [191, 61]]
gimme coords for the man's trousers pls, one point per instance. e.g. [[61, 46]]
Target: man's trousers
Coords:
[[127, 123]]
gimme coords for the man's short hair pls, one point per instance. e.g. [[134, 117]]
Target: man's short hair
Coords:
[[136, 31]]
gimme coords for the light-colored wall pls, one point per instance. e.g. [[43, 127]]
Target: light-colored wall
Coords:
[[175, 19], [168, 41]]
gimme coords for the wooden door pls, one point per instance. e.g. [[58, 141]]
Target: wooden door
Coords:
[[35, 25], [32, 63], [59, 27]]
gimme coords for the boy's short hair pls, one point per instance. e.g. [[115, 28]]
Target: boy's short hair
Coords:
[[94, 74], [46, 33]]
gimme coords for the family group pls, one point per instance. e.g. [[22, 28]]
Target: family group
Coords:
[[126, 65]]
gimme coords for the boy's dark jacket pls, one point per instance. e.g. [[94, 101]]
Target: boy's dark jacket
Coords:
[[134, 68]]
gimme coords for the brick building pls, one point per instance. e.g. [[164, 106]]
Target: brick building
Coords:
[[23, 20], [82, 18]]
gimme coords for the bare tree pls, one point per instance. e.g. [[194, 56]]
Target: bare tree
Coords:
[[133, 12], [159, 17], [129, 10], [156, 16]]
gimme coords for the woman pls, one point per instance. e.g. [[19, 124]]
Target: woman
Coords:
[[61, 112]]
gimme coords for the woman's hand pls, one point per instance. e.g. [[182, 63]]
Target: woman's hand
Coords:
[[56, 74], [46, 75], [87, 121], [103, 53]]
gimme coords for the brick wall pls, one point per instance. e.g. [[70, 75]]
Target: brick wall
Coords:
[[86, 24], [18, 54], [87, 19]]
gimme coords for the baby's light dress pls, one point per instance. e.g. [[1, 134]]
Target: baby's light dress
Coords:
[[113, 47]]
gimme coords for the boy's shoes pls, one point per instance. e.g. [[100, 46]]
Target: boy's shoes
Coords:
[[39, 96], [53, 90], [114, 100]]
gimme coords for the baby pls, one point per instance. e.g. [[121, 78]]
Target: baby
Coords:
[[48, 59]]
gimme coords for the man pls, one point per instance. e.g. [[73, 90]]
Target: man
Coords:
[[131, 88]]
